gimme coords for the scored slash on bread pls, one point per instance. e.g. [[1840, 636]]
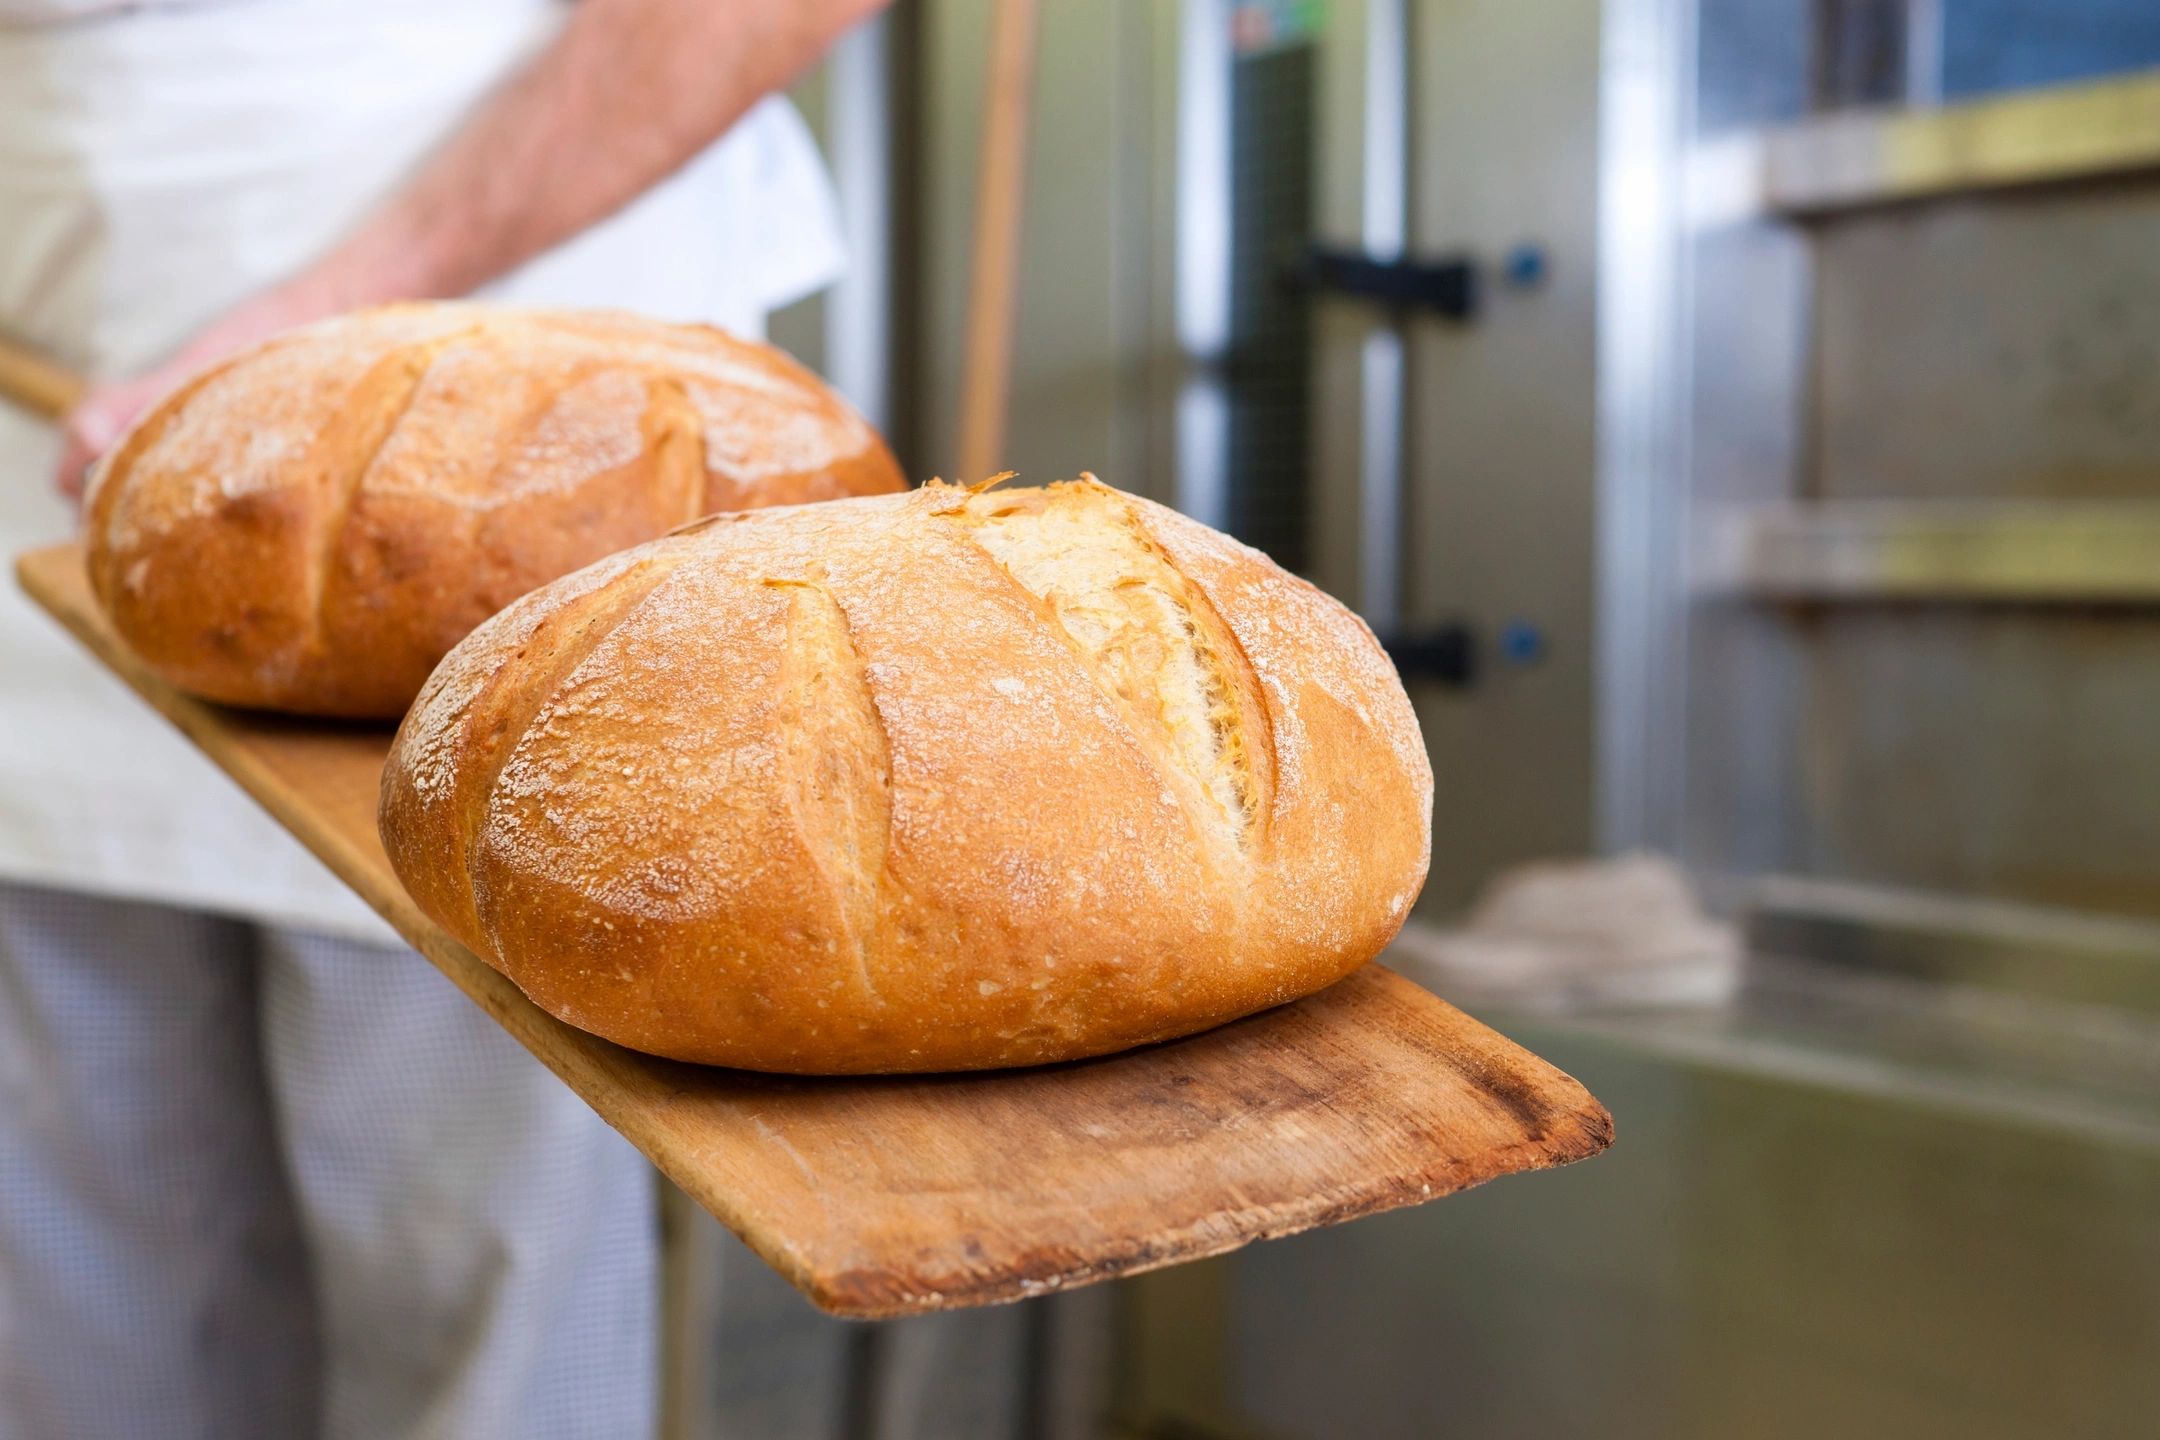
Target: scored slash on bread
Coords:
[[944, 780], [310, 525]]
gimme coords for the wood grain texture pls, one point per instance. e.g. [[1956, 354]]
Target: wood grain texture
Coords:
[[42, 386], [891, 1196]]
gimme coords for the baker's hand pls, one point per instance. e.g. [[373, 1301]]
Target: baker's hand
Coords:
[[100, 418], [103, 415]]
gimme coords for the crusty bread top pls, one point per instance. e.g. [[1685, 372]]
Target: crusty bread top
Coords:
[[482, 402], [942, 780], [311, 523]]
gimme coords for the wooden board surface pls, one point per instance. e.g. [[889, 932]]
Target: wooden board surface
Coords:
[[887, 1196]]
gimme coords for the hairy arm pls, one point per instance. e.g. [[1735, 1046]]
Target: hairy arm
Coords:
[[626, 94]]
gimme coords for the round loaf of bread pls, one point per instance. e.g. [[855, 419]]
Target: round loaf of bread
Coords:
[[311, 524], [935, 781]]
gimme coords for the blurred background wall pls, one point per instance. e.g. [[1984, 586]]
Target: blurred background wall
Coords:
[[1752, 454]]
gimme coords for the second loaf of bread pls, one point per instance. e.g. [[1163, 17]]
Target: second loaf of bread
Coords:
[[311, 524], [930, 781]]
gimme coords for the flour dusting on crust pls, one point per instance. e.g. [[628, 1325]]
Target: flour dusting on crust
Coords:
[[855, 787]]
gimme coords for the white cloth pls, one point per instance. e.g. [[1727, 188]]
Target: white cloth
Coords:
[[266, 1184], [64, 12], [158, 165], [1563, 934]]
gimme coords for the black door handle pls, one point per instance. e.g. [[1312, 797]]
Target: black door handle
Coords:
[[1447, 285], [1443, 655]]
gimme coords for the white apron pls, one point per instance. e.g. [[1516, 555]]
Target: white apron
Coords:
[[157, 165]]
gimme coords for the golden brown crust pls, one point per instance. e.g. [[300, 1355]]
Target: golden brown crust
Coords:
[[311, 525], [920, 782]]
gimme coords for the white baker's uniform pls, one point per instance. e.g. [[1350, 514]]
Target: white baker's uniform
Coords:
[[259, 1172], [157, 166]]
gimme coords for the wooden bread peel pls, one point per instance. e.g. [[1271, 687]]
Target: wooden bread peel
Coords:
[[883, 1197], [39, 385]]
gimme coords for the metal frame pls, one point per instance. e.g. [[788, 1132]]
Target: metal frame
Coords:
[[860, 126], [2065, 956], [1359, 439], [1643, 462], [1989, 551], [1923, 52], [1202, 248], [1385, 231], [1862, 158]]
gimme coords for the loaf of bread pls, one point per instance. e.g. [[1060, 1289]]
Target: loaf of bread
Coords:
[[944, 780], [310, 525]]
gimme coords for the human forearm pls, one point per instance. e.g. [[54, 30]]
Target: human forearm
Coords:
[[629, 91], [622, 97]]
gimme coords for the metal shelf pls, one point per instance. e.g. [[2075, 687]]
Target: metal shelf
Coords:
[[2006, 552], [2009, 1014], [1862, 158]]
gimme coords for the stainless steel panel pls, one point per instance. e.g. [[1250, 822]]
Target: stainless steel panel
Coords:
[[847, 332], [1988, 350], [1267, 364], [2064, 956], [1205, 139], [1987, 551], [1983, 753], [1736, 753], [1502, 450], [800, 328], [859, 135], [1935, 385], [1785, 1242], [1358, 352], [1752, 68], [1649, 50], [1537, 1309], [1924, 52], [1860, 158], [765, 1365], [1888, 1195], [1746, 305], [1090, 320]]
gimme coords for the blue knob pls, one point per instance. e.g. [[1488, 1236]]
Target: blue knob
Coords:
[[1524, 267], [1521, 643]]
